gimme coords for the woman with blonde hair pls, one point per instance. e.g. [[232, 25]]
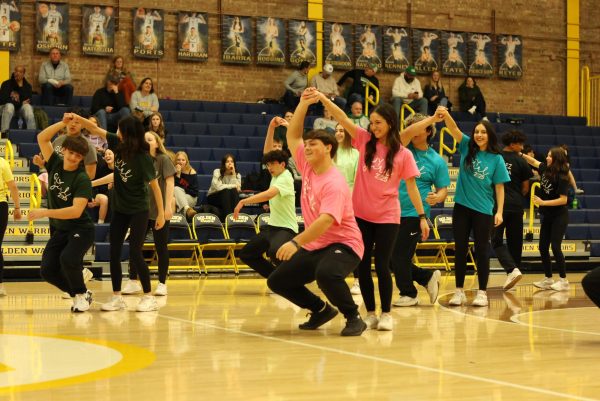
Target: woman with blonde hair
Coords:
[[435, 93], [186, 185]]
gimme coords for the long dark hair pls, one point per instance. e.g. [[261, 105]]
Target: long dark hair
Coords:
[[387, 112], [142, 84], [133, 139], [559, 169], [492, 145], [223, 161]]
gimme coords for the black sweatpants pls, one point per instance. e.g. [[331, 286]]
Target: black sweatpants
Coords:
[[3, 224], [161, 241], [329, 266], [225, 200], [552, 231], [591, 285], [267, 241], [62, 260], [509, 255]]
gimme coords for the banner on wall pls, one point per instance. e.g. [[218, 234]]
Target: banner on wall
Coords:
[[236, 40], [270, 41], [396, 47], [302, 44], [510, 56], [454, 53], [97, 30], [337, 45], [479, 50], [192, 38], [148, 33], [426, 45], [52, 26], [10, 25], [368, 46]]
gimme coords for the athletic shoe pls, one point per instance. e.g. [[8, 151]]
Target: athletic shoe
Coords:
[[386, 323], [81, 302], [317, 319], [472, 109], [544, 284], [459, 298], [161, 290], [371, 321], [87, 275], [354, 327], [406, 301], [579, 191], [65, 295], [560, 285], [116, 303], [147, 304], [132, 287], [485, 119], [433, 286], [2, 291], [190, 213], [355, 289], [481, 299], [512, 279]]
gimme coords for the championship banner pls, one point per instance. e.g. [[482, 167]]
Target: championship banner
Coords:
[[270, 41], [396, 47], [192, 39], [510, 56], [479, 50], [148, 33], [368, 46], [337, 45], [10, 25], [237, 41], [52, 26], [426, 46], [454, 53], [302, 44], [97, 30]]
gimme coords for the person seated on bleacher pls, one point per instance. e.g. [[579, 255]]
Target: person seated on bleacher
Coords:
[[471, 99], [157, 126], [225, 186], [186, 186], [126, 80], [144, 99], [295, 84], [359, 79], [101, 194], [108, 105], [326, 84], [357, 116], [435, 93], [326, 122], [55, 80], [15, 96], [407, 90]]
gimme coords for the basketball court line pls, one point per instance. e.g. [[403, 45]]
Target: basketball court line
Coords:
[[516, 319]]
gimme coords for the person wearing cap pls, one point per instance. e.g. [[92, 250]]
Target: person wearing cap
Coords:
[[325, 83], [407, 90], [357, 90], [108, 104]]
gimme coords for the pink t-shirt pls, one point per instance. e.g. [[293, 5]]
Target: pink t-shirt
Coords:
[[375, 195], [328, 193]]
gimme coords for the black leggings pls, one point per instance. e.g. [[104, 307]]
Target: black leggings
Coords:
[[137, 224], [591, 285], [552, 232], [225, 200], [3, 224], [267, 241], [464, 220], [509, 255], [161, 241], [383, 236]]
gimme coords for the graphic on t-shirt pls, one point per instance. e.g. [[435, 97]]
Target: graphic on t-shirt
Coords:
[[546, 185], [379, 166], [308, 194], [62, 194], [479, 171], [508, 168], [121, 166]]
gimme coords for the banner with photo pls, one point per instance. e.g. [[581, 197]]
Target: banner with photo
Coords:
[[302, 42], [337, 45], [510, 56], [426, 46], [10, 25], [97, 30], [270, 41], [237, 41], [192, 38], [396, 48], [148, 33], [480, 55], [368, 46], [454, 53], [52, 26]]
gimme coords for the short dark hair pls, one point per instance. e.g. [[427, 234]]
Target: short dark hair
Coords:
[[77, 144], [325, 137], [278, 156], [513, 136], [304, 64]]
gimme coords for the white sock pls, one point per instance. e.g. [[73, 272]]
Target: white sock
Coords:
[[100, 221]]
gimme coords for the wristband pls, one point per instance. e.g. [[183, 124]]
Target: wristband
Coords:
[[423, 216], [293, 241]]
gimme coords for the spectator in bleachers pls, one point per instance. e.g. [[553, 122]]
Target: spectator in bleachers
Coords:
[[280, 131], [294, 84], [325, 83], [144, 100], [471, 99], [55, 80], [357, 116], [407, 90], [126, 80], [108, 105], [356, 92], [326, 122], [435, 93], [225, 187], [157, 126], [15, 96], [7, 184], [101, 194], [186, 185]]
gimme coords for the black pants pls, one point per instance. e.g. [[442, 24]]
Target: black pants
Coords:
[[267, 241], [509, 255], [591, 285], [161, 241], [225, 200], [479, 101], [329, 266], [464, 220], [405, 271], [137, 224], [62, 260], [552, 232], [49, 93], [290, 100], [383, 236], [3, 224]]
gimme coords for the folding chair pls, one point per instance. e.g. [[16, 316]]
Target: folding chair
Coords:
[[240, 231], [182, 245], [262, 220], [430, 253], [211, 238]]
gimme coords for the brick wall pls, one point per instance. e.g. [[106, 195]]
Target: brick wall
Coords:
[[542, 89]]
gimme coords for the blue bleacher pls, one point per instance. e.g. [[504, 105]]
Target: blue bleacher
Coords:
[[218, 154], [254, 119], [208, 141], [204, 180], [23, 136], [236, 142], [194, 129], [215, 107], [181, 116], [205, 117], [249, 155], [228, 118], [199, 153], [168, 105], [189, 105], [256, 143], [181, 140], [243, 130], [219, 129]]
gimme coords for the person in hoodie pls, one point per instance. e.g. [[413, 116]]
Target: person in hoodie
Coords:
[[15, 96]]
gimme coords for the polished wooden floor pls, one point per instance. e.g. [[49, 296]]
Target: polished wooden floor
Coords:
[[228, 339]]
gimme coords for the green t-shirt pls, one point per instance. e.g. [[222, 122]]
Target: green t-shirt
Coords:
[[283, 207], [346, 160], [63, 187], [164, 168]]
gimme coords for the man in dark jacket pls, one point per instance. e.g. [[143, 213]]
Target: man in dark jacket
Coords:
[[359, 79], [108, 105], [15, 96]]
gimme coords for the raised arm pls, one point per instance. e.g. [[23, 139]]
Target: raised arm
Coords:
[[275, 122], [532, 162], [296, 126], [44, 138], [338, 114], [408, 133], [92, 128], [456, 133]]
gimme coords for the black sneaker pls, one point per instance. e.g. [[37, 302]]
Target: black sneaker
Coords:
[[354, 327], [317, 319]]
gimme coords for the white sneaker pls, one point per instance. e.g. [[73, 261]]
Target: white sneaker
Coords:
[[161, 290], [65, 295], [371, 320], [82, 302], [406, 301], [115, 303], [472, 109], [2, 290], [512, 279], [481, 299], [579, 191], [355, 289], [147, 304], [459, 298], [386, 323], [485, 118], [433, 286], [560, 285], [544, 284], [132, 287], [87, 275]]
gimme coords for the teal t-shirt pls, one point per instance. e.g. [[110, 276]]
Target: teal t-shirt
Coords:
[[474, 188], [283, 207], [433, 172]]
